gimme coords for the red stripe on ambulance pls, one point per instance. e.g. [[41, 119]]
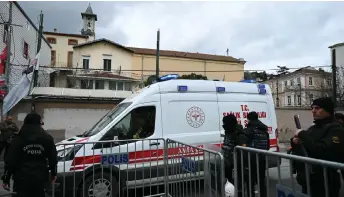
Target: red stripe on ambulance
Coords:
[[80, 163]]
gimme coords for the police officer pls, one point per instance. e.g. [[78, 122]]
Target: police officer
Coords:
[[234, 136], [27, 159], [258, 137], [323, 140]]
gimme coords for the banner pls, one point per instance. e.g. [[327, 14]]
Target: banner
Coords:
[[16, 94], [22, 89]]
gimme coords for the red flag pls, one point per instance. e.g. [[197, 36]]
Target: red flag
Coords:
[[3, 57]]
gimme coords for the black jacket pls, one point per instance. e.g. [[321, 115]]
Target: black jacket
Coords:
[[233, 137], [258, 135], [31, 156], [323, 140]]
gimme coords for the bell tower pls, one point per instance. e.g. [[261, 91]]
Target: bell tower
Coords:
[[89, 20]]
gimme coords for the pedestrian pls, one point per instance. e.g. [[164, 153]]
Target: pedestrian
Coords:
[[234, 136], [340, 118], [7, 129], [258, 137], [27, 159], [323, 140]]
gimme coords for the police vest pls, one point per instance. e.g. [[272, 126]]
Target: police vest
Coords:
[[260, 139]]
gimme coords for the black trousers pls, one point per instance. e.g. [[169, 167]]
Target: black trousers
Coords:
[[317, 185], [28, 189], [4, 145]]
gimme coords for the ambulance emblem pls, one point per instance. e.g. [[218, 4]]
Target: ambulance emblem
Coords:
[[195, 117]]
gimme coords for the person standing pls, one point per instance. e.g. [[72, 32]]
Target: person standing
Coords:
[[323, 140], [27, 159], [8, 128], [258, 137], [234, 136]]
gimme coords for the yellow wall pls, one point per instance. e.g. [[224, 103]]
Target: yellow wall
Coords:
[[61, 47], [119, 57], [145, 65]]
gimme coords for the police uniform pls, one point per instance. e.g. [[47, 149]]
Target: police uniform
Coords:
[[258, 137], [323, 140], [27, 159]]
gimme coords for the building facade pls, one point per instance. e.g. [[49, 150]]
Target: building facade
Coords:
[[300, 88], [337, 59], [24, 36], [83, 62]]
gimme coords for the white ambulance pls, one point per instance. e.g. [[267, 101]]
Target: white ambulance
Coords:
[[189, 111]]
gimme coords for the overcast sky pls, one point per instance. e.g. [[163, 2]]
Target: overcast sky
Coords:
[[265, 34]]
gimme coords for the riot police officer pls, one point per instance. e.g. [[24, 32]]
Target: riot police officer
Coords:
[[27, 159]]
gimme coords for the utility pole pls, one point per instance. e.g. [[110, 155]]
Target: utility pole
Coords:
[[35, 72], [39, 43], [277, 99], [8, 43], [334, 78], [157, 54]]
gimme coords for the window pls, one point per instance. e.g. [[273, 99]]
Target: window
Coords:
[[26, 50], [329, 82], [107, 118], [72, 42], [127, 86], [99, 84], [86, 84], [107, 64], [310, 98], [292, 82], [120, 85], [51, 40], [299, 100], [138, 124], [298, 80], [85, 62], [112, 85], [285, 83], [310, 81], [27, 25], [70, 59], [294, 99], [53, 58], [289, 100]]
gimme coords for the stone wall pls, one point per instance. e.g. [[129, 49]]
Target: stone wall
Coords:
[[64, 119], [286, 124]]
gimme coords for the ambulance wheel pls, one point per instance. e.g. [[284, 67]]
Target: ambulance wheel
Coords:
[[100, 185]]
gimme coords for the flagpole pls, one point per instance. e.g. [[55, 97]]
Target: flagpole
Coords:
[[35, 71]]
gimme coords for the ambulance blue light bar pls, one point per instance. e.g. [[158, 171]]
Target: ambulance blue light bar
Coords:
[[248, 81], [182, 88], [220, 89], [262, 91], [168, 77], [261, 86]]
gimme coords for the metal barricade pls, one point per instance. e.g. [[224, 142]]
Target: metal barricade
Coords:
[[317, 178], [194, 170], [115, 168]]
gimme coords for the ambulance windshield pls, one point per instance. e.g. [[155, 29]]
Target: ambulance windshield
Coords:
[[107, 119]]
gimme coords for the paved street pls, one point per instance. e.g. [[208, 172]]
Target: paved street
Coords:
[[285, 180]]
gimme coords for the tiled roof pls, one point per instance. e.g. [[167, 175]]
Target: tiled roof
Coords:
[[168, 53], [103, 40], [337, 45], [65, 34], [181, 54], [106, 75]]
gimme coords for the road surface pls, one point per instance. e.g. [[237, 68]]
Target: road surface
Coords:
[[273, 180]]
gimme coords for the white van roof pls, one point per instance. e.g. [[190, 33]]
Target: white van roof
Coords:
[[181, 85]]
